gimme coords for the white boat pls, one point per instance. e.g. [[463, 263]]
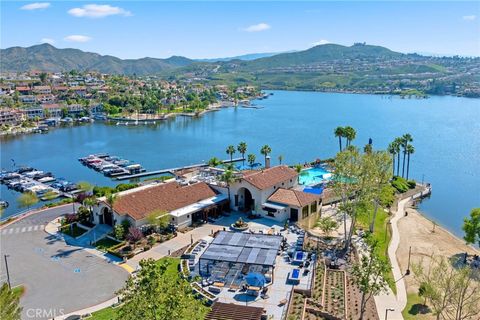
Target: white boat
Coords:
[[46, 179]]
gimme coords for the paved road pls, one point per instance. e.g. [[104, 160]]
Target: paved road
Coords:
[[58, 278]]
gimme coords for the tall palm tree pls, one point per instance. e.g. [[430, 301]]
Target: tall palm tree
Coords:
[[298, 168], [242, 149], [266, 150], [350, 134], [397, 143], [230, 151], [393, 151], [406, 139], [340, 133], [410, 150], [280, 159], [251, 159], [228, 178]]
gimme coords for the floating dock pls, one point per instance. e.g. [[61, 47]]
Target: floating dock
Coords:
[[171, 170]]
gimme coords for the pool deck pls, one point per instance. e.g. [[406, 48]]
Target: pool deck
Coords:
[[280, 289]]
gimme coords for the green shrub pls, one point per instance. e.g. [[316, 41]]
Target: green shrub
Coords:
[[400, 184], [411, 184]]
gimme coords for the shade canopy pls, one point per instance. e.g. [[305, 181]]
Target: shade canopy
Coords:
[[255, 279]]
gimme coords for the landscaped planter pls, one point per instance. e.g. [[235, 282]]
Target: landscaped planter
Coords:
[[243, 228], [211, 298]]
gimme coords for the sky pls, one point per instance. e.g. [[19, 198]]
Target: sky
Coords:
[[215, 29]]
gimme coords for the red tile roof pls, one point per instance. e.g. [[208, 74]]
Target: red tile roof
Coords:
[[293, 197], [164, 197], [23, 89], [267, 178]]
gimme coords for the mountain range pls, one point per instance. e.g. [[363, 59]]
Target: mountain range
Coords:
[[46, 57]]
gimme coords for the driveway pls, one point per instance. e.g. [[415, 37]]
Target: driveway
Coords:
[[58, 278]]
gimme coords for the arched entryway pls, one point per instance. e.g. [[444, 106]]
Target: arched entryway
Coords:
[[106, 217], [245, 202]]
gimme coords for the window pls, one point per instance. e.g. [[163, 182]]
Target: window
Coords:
[[304, 212], [236, 200], [283, 183], [313, 207], [188, 216]]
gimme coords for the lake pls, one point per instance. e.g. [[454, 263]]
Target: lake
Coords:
[[297, 125]]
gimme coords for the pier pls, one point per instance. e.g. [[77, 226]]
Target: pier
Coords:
[[171, 170]]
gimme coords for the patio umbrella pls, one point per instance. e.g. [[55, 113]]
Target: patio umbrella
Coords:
[[255, 279]]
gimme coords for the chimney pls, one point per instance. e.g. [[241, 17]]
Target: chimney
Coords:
[[267, 162]]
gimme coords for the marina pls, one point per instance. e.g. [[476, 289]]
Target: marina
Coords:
[[111, 166], [43, 184]]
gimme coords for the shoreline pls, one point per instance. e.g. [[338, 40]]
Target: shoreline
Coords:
[[415, 231]]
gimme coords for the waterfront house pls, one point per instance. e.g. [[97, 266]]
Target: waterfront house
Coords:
[[10, 116], [53, 110], [33, 112], [184, 204]]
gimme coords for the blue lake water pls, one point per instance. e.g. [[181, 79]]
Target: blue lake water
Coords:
[[297, 125]]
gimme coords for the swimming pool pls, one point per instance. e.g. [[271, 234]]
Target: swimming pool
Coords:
[[314, 176]]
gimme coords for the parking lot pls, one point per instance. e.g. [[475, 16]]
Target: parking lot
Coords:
[[58, 278]]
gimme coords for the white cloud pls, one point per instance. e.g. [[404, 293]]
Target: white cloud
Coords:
[[47, 40], [98, 11], [36, 5], [318, 43], [469, 18], [257, 27], [77, 38]]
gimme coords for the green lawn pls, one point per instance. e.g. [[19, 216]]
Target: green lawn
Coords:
[[172, 271], [415, 309], [73, 231], [381, 233], [105, 244]]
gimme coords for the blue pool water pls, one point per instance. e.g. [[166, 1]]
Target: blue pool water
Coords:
[[295, 273], [313, 176]]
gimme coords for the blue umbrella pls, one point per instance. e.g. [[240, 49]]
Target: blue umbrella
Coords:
[[255, 279]]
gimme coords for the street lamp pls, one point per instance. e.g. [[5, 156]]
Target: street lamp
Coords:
[[6, 269], [408, 267], [386, 312]]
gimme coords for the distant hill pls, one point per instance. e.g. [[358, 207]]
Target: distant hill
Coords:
[[46, 57], [322, 53], [244, 57]]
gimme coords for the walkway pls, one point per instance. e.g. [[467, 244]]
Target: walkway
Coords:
[[386, 301]]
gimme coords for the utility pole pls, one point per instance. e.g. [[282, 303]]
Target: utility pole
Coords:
[[6, 268], [386, 312]]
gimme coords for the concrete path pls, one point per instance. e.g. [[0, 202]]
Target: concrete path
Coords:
[[389, 300]]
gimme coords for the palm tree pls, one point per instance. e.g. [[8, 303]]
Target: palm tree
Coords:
[[406, 139], [214, 162], [350, 134], [230, 151], [298, 168], [393, 151], [410, 150], [242, 149], [280, 159], [340, 133], [251, 159], [228, 178], [397, 143], [9, 303], [266, 150]]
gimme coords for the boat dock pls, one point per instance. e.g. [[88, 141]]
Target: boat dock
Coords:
[[111, 166], [43, 184], [171, 170]]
